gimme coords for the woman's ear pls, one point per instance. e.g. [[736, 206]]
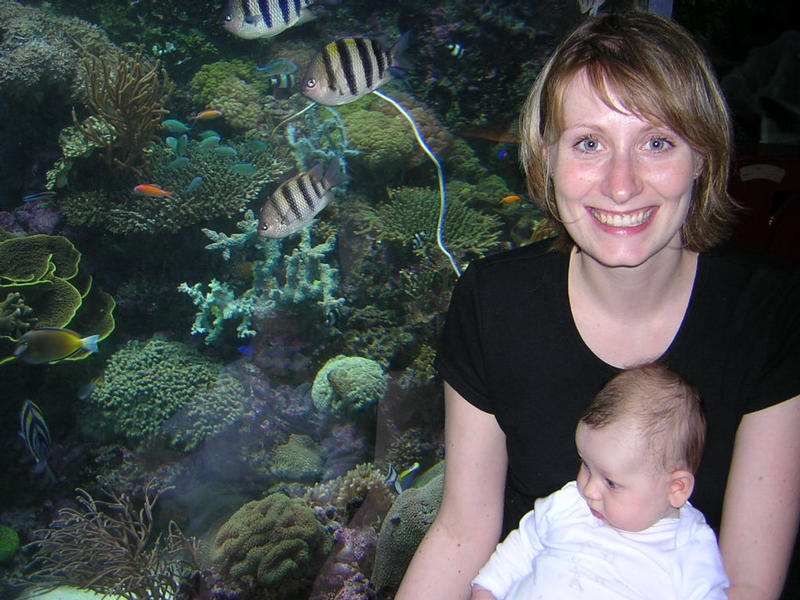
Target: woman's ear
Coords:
[[681, 486]]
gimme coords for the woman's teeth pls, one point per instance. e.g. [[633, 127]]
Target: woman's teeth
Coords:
[[627, 220]]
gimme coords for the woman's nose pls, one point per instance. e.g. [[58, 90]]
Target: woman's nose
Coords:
[[622, 180]]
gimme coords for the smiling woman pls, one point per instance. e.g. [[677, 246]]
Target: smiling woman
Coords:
[[626, 145]]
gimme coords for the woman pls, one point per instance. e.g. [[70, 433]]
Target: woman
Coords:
[[626, 146]]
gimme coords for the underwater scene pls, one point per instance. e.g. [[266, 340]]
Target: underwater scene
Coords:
[[229, 232]]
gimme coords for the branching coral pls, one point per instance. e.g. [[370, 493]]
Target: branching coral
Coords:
[[110, 547], [127, 95]]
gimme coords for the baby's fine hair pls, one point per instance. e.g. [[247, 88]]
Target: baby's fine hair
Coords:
[[666, 409]]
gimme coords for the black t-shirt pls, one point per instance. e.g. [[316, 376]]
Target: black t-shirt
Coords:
[[511, 348]]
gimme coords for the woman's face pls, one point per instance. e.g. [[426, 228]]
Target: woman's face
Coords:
[[623, 185]]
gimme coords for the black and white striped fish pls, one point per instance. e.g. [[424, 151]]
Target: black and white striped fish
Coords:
[[297, 201], [34, 431], [251, 19], [349, 68]]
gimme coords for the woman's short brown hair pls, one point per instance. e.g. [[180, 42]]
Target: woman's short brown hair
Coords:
[[656, 71]]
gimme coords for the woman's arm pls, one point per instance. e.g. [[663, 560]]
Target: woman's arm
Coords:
[[762, 502], [470, 519]]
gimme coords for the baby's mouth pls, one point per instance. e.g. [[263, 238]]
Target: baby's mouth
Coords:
[[629, 219]]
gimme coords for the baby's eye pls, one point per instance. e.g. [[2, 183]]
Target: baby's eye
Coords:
[[589, 144], [658, 144], [612, 484]]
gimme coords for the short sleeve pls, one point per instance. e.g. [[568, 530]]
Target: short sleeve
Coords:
[[460, 359]]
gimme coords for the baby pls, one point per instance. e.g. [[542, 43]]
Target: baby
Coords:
[[624, 528]]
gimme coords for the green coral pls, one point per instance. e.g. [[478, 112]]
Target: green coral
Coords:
[[299, 459], [41, 284], [9, 543], [222, 192], [160, 388], [348, 385], [235, 87], [412, 214], [384, 142], [271, 541]]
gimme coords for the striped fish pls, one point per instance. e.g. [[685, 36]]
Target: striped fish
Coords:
[[34, 431], [251, 19], [349, 68], [297, 201]]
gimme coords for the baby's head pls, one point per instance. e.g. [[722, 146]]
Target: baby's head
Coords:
[[640, 442]]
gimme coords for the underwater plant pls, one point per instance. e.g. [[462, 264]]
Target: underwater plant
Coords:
[[126, 96], [112, 548]]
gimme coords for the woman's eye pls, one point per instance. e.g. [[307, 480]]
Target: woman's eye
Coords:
[[658, 144], [589, 145]]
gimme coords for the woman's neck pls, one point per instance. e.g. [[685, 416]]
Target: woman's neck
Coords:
[[630, 315]]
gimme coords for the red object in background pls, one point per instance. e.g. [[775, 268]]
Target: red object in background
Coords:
[[768, 187]]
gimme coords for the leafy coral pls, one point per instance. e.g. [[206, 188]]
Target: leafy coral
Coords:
[[267, 542], [41, 284]]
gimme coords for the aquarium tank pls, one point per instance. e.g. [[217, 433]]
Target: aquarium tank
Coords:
[[229, 232]]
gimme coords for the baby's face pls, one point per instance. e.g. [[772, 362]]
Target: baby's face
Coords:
[[620, 482]]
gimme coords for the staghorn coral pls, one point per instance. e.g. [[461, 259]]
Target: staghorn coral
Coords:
[[126, 95], [223, 192], [346, 386], [111, 547], [15, 316], [164, 389], [271, 542]]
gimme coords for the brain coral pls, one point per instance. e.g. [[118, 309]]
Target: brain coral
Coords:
[[347, 385], [161, 388], [299, 459], [270, 541]]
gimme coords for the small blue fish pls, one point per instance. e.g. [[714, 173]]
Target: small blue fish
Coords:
[[179, 162], [455, 49], [256, 145], [225, 150], [401, 481], [248, 351], [243, 168], [279, 66], [210, 142], [39, 196], [34, 431], [207, 134], [175, 126], [194, 184]]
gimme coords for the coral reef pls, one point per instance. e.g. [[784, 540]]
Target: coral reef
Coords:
[[111, 547], [235, 87], [346, 386], [270, 542], [162, 389], [384, 143], [299, 459], [221, 190], [41, 285], [280, 280], [37, 52], [126, 96], [404, 527]]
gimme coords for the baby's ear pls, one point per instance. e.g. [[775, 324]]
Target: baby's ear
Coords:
[[681, 486]]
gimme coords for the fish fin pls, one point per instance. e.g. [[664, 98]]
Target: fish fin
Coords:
[[315, 172], [90, 343], [335, 174], [400, 62]]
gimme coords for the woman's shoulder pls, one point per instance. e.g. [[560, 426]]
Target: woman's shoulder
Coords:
[[538, 256], [734, 263]]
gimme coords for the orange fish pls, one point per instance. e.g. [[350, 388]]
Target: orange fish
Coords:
[[208, 114], [512, 199], [152, 190]]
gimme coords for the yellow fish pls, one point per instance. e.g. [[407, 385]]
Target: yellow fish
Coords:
[[52, 344], [512, 199]]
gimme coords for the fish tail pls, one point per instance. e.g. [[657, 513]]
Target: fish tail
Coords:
[[90, 343], [396, 52], [335, 174]]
